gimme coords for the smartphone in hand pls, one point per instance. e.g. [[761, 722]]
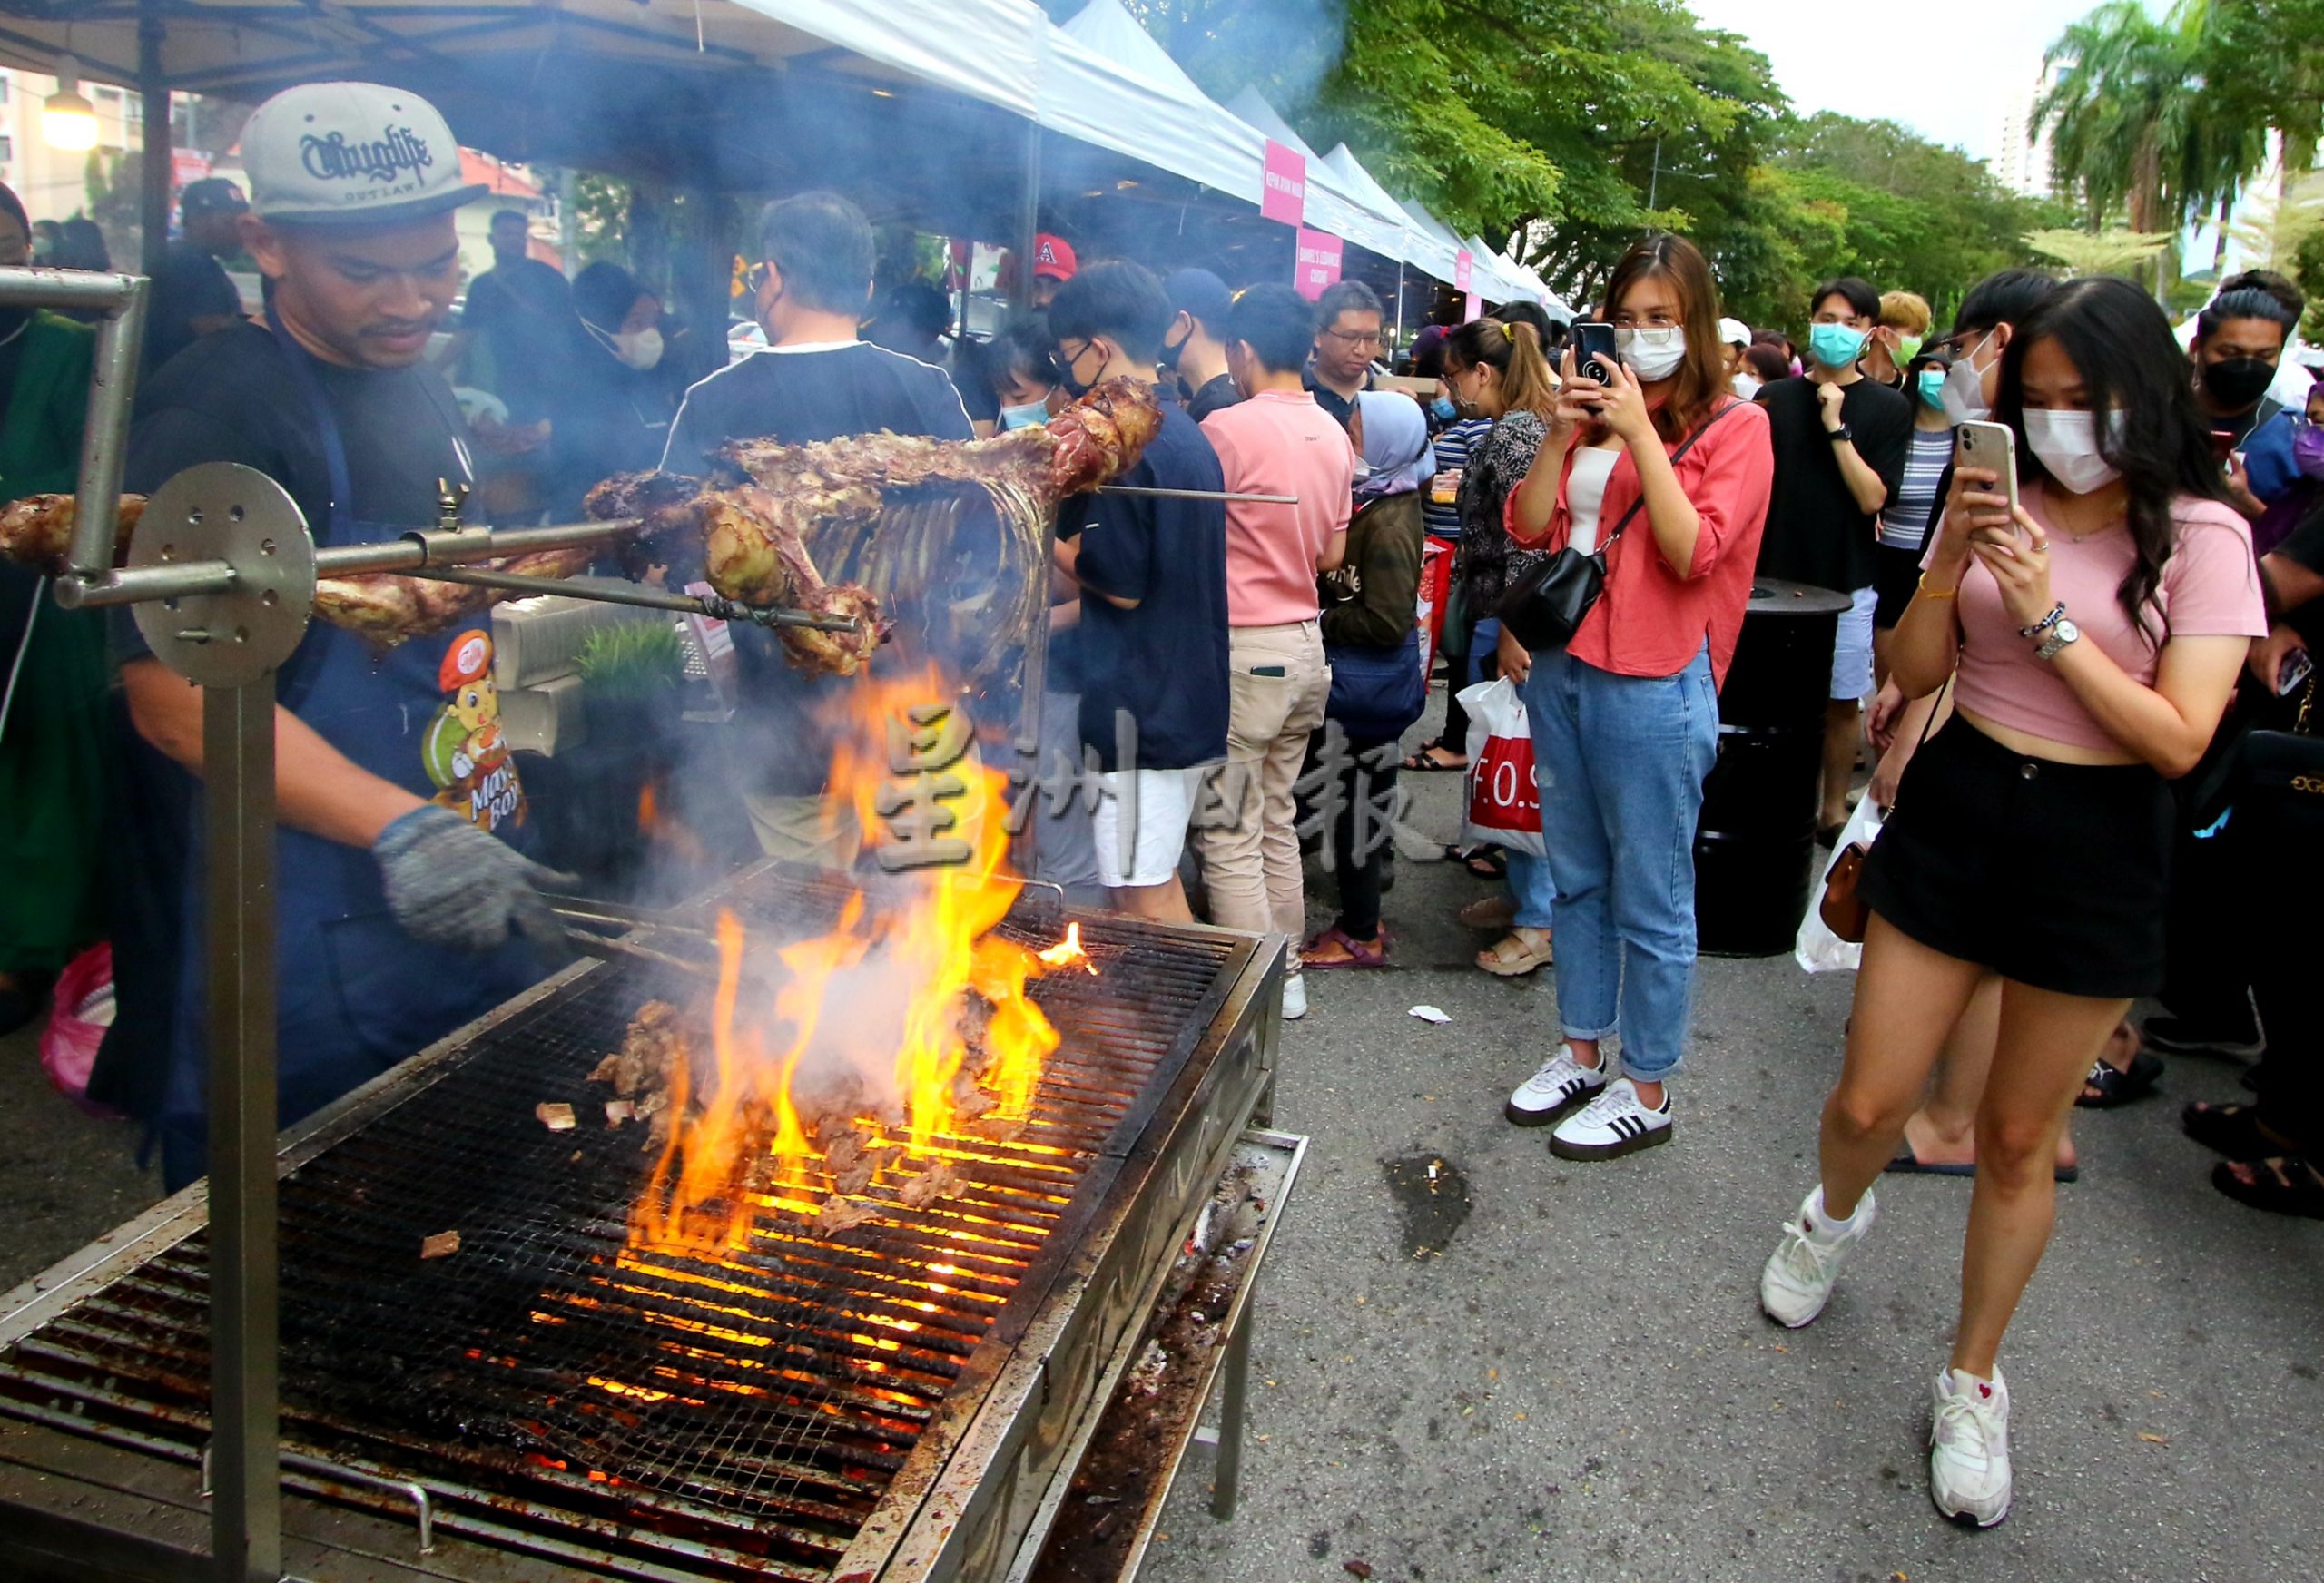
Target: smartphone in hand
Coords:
[[2295, 669], [1594, 356], [1980, 444]]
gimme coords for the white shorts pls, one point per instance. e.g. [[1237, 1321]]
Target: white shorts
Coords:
[[1160, 803], [1852, 652]]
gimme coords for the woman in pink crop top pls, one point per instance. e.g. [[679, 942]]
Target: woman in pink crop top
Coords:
[[2096, 634]]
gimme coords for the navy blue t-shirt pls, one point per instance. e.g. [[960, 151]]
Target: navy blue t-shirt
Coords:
[[1163, 662]]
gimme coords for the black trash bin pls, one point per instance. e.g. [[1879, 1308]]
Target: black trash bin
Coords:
[[1757, 837]]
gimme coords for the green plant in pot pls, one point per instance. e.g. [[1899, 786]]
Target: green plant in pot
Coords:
[[631, 676]]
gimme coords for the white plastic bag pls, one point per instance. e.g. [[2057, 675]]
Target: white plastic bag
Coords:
[[1503, 806], [1818, 950]]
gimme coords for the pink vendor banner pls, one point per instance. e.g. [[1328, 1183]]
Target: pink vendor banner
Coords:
[[1319, 262], [1284, 196]]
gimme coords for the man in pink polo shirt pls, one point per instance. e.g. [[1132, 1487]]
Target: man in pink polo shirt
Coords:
[[1277, 441]]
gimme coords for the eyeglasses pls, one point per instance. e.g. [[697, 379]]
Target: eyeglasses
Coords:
[[754, 279], [1355, 338]]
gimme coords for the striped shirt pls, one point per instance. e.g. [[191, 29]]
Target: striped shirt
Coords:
[[1904, 524], [1452, 454]]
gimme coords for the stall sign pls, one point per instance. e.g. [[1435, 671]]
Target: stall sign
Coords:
[[1282, 194], [1319, 262], [1463, 274]]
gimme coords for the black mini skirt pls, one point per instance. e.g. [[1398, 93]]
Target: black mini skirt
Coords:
[[2053, 875]]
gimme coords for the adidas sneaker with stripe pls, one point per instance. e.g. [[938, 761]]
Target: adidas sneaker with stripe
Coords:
[[1615, 1123]]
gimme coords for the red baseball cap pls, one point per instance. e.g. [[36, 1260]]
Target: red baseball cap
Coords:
[[1053, 257]]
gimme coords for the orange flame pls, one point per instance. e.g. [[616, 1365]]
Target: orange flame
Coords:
[[743, 1146], [1068, 953]]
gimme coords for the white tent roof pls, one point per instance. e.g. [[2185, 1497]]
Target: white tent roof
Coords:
[[1332, 204], [987, 49], [1106, 83]]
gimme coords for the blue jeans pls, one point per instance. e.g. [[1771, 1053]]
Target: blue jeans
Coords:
[[1622, 762]]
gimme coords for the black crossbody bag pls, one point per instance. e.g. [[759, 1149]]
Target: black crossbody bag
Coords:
[[1546, 607]]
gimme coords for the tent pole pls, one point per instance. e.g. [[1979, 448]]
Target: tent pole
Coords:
[[1400, 305], [1028, 217], [153, 91]]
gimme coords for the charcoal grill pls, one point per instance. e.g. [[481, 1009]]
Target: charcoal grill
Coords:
[[889, 1403]]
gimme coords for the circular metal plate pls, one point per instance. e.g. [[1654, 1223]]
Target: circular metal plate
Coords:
[[223, 511]]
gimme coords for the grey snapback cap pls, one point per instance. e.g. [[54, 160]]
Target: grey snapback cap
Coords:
[[351, 153]]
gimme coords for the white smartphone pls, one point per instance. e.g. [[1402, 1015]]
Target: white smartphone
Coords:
[[1979, 444]]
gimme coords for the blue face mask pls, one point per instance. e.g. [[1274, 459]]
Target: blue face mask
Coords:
[[1932, 387], [1444, 411], [1029, 416], [1835, 346]]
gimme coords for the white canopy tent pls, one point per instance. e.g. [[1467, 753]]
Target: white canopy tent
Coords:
[[1105, 82], [1332, 205]]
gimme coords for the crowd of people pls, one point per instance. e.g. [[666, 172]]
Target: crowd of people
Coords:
[[2040, 654]]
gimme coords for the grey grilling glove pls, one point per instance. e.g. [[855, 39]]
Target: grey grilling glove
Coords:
[[452, 884]]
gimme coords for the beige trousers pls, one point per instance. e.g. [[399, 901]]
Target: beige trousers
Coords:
[[1278, 683]]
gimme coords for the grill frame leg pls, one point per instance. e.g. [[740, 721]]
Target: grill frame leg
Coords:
[[1233, 1395]]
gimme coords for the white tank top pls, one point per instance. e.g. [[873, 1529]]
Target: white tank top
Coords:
[[1585, 493]]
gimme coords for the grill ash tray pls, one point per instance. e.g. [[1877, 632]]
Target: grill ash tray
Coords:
[[553, 1387]]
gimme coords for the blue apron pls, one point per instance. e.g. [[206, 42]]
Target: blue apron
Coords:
[[356, 995]]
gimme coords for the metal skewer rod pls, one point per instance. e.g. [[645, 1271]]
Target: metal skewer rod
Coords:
[[1160, 493], [603, 946], [638, 594], [583, 910]]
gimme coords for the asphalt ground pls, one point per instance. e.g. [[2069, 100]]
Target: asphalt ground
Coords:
[[1570, 1378]]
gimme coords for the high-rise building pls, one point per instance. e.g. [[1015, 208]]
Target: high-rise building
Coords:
[[2021, 161]]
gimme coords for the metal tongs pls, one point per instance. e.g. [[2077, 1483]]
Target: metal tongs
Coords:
[[588, 920]]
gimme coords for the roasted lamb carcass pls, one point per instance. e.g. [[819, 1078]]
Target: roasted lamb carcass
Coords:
[[1101, 437], [38, 531], [386, 608]]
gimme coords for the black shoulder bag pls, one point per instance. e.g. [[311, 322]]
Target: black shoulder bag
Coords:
[[1545, 607]]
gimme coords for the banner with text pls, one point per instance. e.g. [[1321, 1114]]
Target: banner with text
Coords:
[[1463, 269], [1320, 254], [1284, 196]]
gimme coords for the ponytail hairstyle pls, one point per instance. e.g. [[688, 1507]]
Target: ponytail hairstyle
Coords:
[[1513, 351], [2122, 346], [1701, 383]]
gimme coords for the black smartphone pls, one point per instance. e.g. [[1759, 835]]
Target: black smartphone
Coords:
[[1594, 356], [2295, 669]]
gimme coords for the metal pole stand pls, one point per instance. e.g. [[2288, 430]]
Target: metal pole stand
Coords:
[[229, 643]]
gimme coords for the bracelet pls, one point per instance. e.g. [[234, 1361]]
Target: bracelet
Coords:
[[1925, 592], [2057, 613]]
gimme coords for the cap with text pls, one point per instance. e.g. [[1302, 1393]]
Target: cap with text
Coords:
[[351, 153]]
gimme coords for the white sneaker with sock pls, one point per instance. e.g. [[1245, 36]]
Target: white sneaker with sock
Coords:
[[1968, 1458], [1549, 1094], [1294, 998], [1801, 1272]]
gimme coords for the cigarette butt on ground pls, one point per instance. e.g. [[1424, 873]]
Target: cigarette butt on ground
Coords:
[[556, 1117], [441, 1246]]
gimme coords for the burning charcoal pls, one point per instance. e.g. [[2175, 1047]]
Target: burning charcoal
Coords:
[[939, 1181], [841, 1214], [556, 1117], [441, 1245], [618, 1111]]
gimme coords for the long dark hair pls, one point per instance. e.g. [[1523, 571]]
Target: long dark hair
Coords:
[[1701, 379], [1515, 351], [2122, 347]]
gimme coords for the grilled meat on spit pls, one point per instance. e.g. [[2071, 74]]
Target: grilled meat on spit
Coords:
[[38, 531]]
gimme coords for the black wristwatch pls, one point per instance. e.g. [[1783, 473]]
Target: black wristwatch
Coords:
[[1839, 434]]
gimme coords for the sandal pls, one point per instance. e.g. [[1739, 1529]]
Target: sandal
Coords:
[[2108, 1086], [2233, 1130], [1354, 952], [1486, 862], [2285, 1185], [1513, 956], [1423, 760], [1488, 912]]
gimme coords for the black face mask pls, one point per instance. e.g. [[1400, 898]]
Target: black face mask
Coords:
[[1171, 354], [2236, 383]]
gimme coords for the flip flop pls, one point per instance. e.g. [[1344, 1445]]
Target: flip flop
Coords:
[[2116, 1087], [1484, 861], [1909, 1164], [1421, 760]]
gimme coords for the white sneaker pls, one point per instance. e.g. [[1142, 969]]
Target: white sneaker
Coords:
[[1800, 1273], [1615, 1123], [1968, 1459], [1294, 998], [1549, 1094]]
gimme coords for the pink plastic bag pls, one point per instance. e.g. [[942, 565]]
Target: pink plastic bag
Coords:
[[78, 1015]]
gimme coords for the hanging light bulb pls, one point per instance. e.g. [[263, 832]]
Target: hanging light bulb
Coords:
[[68, 121]]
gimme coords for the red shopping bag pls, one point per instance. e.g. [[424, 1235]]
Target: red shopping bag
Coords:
[[1504, 805], [1435, 585]]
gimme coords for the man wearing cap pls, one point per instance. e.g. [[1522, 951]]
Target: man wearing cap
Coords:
[[192, 296], [1053, 265], [400, 891], [1194, 348]]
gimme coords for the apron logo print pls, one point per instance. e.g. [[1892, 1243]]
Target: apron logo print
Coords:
[[463, 751]]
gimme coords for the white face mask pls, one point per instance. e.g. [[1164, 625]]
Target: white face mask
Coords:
[[1746, 385], [640, 349], [1652, 354], [2069, 447], [1964, 395]]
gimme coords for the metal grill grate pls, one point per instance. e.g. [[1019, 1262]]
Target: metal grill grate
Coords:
[[739, 1413]]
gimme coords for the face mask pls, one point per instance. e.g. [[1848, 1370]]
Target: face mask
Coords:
[[1442, 411], [2067, 443], [641, 350], [1652, 354], [2236, 383], [1909, 347], [1068, 378], [1746, 385], [2308, 450], [1932, 387], [1834, 346], [1965, 388], [1171, 354], [1029, 416], [1364, 470]]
